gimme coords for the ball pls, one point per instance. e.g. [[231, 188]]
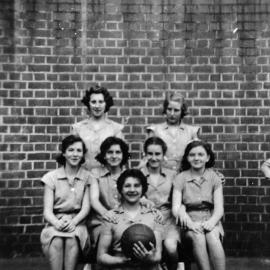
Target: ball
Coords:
[[135, 233]]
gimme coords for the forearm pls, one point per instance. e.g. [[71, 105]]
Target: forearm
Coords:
[[50, 217], [98, 207], [81, 215], [108, 260], [217, 214]]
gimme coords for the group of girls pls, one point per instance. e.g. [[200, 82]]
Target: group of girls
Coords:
[[94, 172]]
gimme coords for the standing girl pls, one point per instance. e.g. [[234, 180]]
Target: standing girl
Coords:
[[66, 205], [199, 189], [95, 129], [173, 131], [160, 182]]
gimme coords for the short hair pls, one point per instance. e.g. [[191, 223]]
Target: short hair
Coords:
[[210, 163], [178, 98], [105, 146], [155, 141], [135, 173], [98, 90], [66, 142]]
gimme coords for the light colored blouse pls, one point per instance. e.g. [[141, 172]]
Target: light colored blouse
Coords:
[[93, 137]]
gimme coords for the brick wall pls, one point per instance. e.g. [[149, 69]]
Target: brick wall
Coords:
[[214, 52]]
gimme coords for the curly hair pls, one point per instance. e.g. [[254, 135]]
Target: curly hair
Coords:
[[155, 141], [98, 90], [210, 163], [105, 146], [134, 173], [66, 142], [178, 98]]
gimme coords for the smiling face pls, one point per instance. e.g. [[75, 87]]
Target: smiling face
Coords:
[[154, 155], [114, 156], [173, 113], [74, 154], [97, 105], [131, 190], [197, 158]]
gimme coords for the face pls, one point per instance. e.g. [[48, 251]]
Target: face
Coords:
[[114, 156], [154, 156], [132, 190], [74, 154], [198, 157], [97, 105], [173, 113]]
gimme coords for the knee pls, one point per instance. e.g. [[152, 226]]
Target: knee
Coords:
[[57, 244], [71, 243], [170, 245], [196, 238]]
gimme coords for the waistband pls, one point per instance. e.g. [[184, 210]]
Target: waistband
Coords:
[[203, 206]]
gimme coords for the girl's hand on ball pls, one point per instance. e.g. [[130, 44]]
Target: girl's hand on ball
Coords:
[[142, 253]]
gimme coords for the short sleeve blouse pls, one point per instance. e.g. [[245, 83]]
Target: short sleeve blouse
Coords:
[[93, 138], [67, 198], [176, 143], [197, 191]]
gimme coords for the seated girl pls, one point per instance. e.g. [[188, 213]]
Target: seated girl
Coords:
[[199, 189], [132, 185], [160, 182], [66, 205]]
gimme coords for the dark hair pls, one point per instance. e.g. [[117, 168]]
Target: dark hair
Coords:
[[105, 146], [177, 98], [210, 163], [66, 142], [155, 141], [98, 90], [135, 173]]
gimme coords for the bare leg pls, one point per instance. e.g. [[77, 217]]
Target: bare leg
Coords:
[[56, 253], [199, 249], [71, 253], [171, 248], [216, 251]]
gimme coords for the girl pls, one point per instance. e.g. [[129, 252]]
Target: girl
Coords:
[[173, 131], [159, 192], [97, 127], [132, 185], [104, 196], [199, 190], [66, 205]]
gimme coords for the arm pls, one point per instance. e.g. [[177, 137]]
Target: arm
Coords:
[[265, 168], [103, 257], [94, 198], [217, 212], [84, 209], [48, 210]]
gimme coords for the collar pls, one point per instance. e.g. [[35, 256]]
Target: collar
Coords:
[[181, 126], [61, 174], [145, 171], [143, 210], [202, 179]]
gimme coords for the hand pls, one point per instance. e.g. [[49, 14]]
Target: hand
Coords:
[[70, 226], [147, 203], [182, 219], [208, 225], [196, 227], [110, 217], [60, 225], [141, 253]]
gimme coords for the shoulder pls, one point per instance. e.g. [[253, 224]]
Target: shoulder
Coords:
[[213, 176], [169, 173], [81, 124], [50, 177], [193, 130], [98, 172], [155, 127], [114, 125], [181, 179]]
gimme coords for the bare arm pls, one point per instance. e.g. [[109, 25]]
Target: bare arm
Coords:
[[84, 209], [103, 257], [217, 212], [94, 198], [265, 168], [48, 209]]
